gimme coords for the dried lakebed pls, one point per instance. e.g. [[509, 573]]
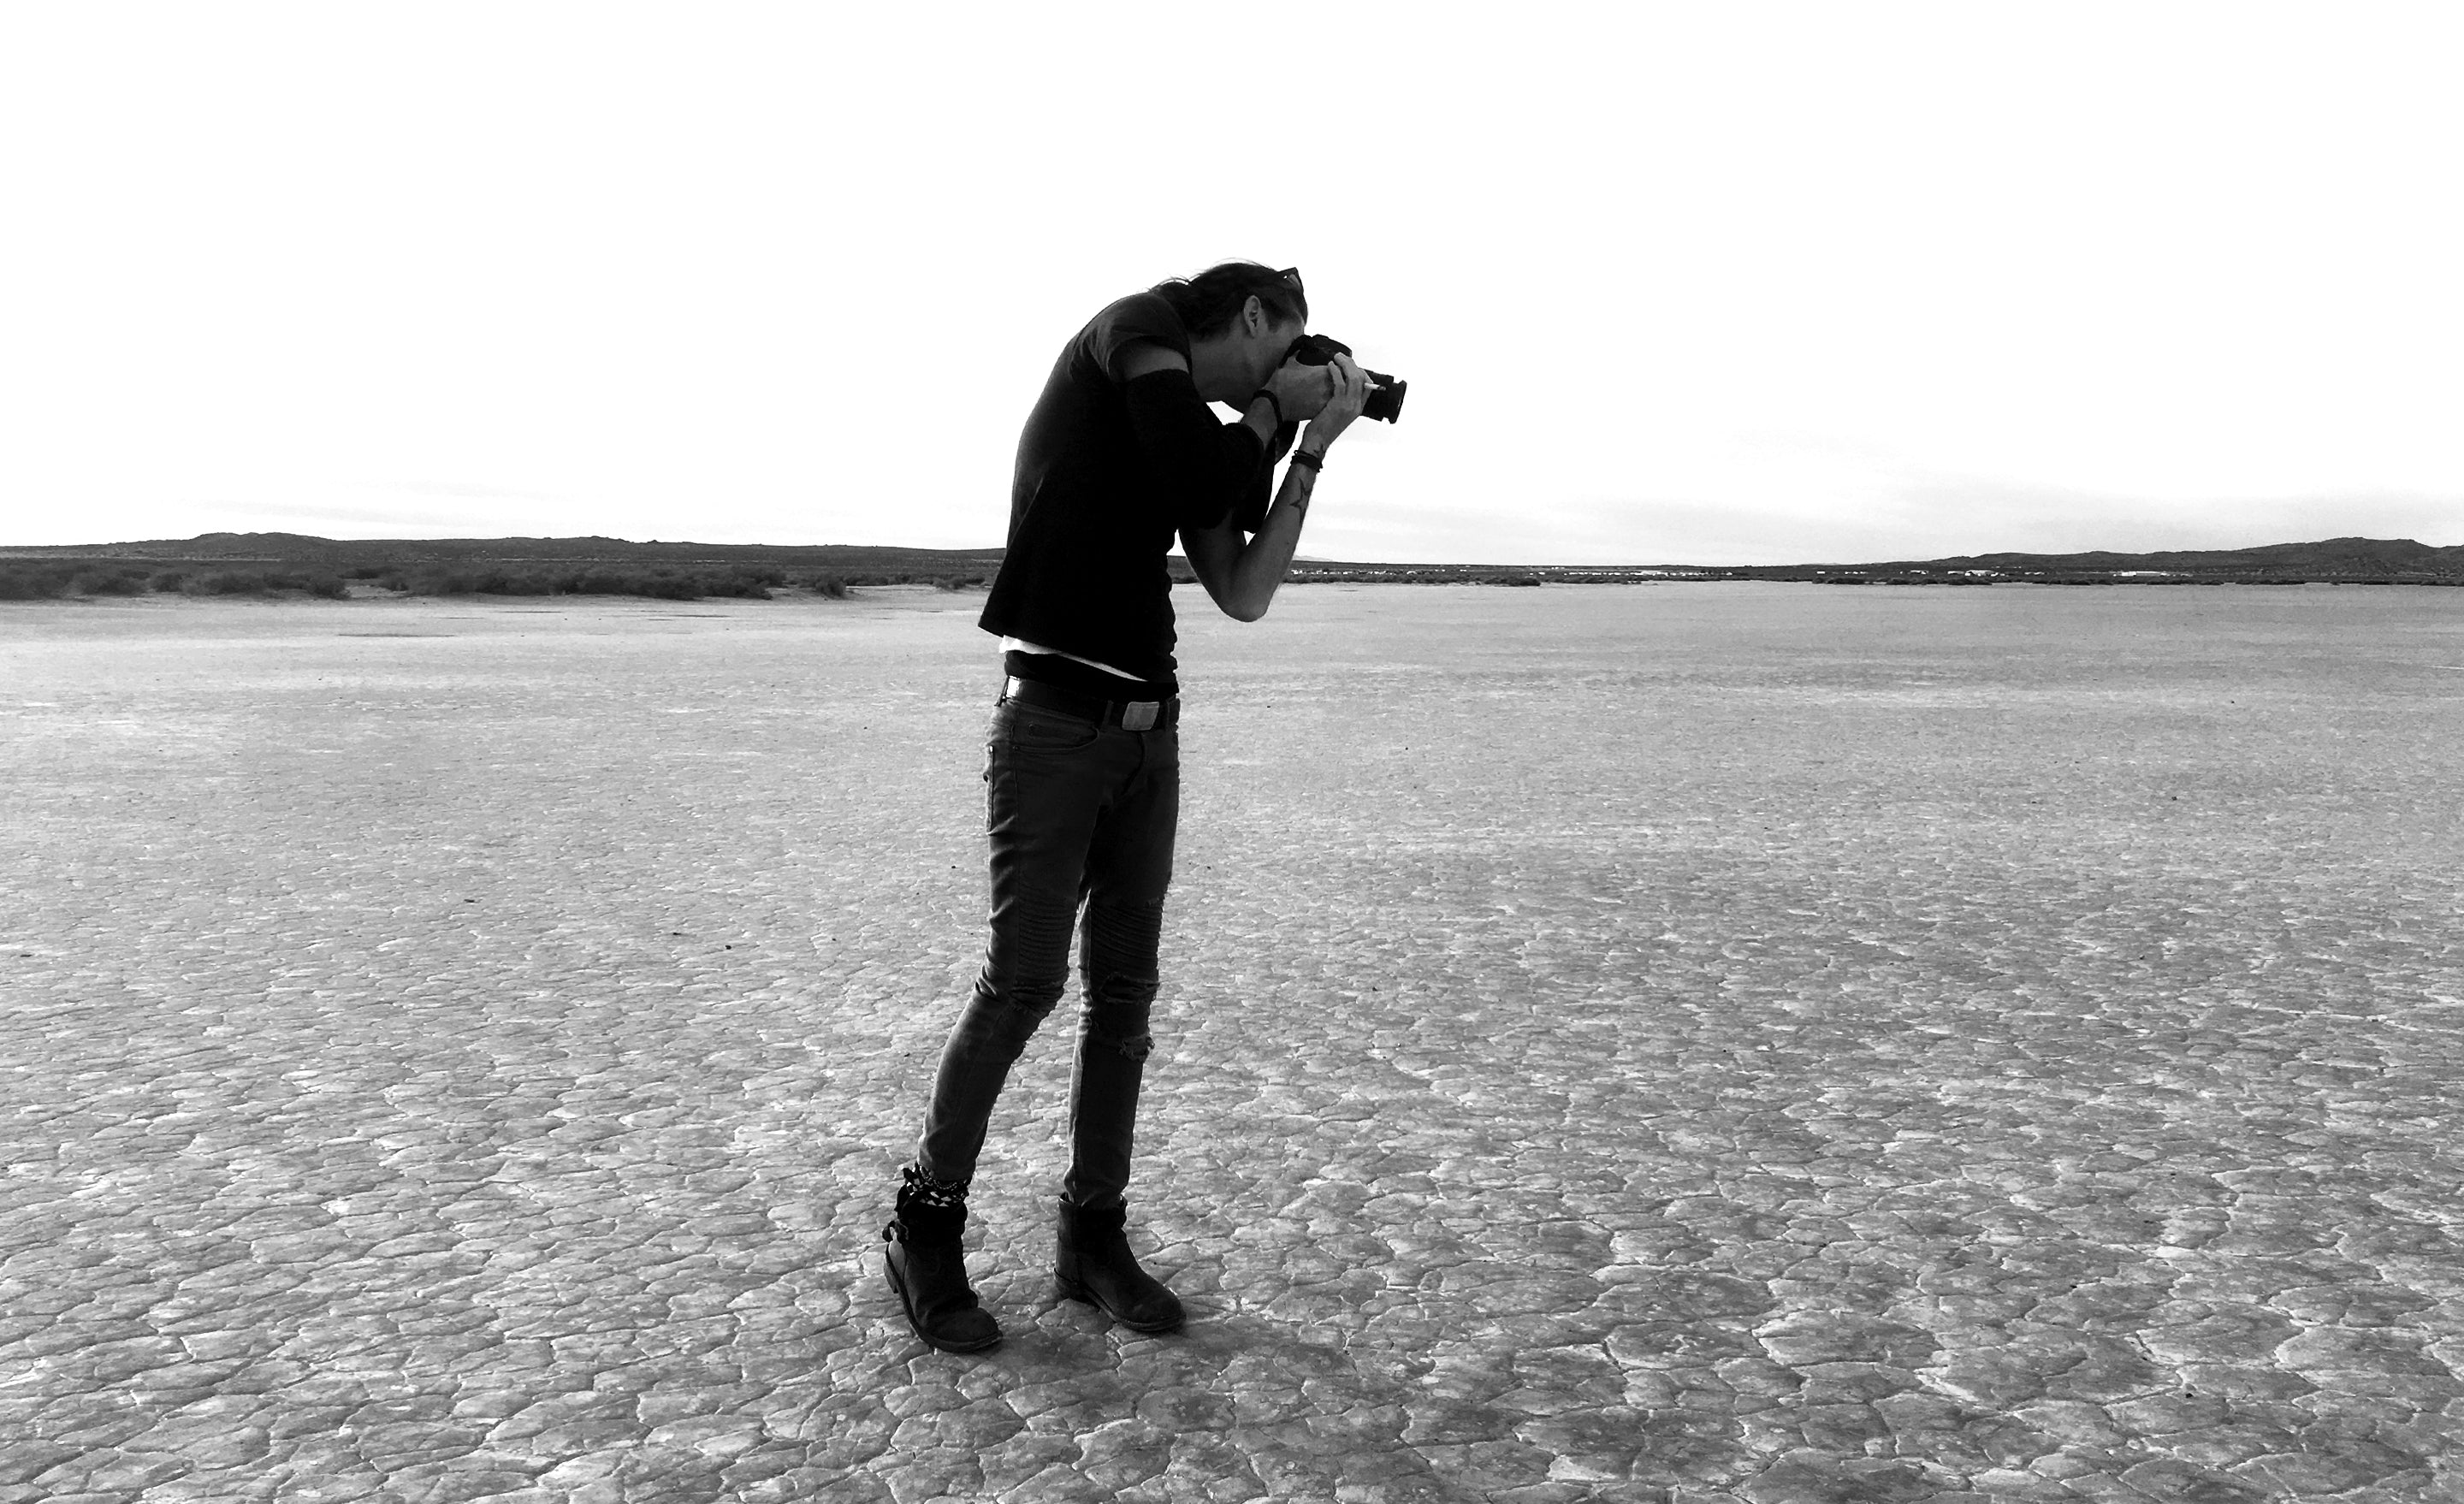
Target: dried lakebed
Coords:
[[1722, 1042]]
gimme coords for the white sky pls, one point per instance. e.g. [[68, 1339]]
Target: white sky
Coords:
[[1703, 282]]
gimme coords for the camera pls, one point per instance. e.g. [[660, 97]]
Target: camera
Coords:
[[1385, 404]]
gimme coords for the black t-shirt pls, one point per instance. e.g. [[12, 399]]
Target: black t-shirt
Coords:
[[1106, 473]]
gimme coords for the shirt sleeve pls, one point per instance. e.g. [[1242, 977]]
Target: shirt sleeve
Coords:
[[1129, 321], [1206, 468]]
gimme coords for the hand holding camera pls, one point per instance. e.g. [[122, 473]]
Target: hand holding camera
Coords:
[[1300, 392], [1313, 373], [1351, 393], [1385, 401]]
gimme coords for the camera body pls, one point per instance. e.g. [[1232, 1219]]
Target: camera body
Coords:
[[1385, 404]]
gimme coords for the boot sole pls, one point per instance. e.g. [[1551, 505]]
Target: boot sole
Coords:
[[907, 1307], [1072, 1289]]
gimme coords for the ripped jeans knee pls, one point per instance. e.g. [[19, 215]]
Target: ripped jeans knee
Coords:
[[1133, 1047]]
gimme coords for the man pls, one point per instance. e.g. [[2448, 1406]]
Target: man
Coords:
[[1083, 771]]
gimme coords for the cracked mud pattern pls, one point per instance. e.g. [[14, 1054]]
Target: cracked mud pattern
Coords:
[[1694, 1043]]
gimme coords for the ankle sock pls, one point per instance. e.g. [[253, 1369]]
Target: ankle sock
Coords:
[[923, 1190]]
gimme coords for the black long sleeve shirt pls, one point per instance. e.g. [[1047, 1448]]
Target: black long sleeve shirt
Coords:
[[1108, 473]]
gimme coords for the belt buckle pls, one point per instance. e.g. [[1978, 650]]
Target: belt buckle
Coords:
[[1140, 715]]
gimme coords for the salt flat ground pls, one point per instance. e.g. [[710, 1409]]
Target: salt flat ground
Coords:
[[1692, 1041]]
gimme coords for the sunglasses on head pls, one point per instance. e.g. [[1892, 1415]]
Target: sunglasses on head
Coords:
[[1291, 277]]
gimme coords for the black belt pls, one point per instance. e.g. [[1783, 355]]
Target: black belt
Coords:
[[1130, 714]]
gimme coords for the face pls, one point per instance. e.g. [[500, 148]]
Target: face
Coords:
[[1264, 342]]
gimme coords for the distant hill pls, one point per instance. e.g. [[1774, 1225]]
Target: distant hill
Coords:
[[291, 563], [2390, 561], [300, 550], [2359, 555], [476, 561], [2339, 560]]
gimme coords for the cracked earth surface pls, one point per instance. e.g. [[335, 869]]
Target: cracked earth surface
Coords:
[[1734, 1042]]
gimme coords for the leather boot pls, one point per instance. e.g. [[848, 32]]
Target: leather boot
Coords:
[[1094, 1264], [930, 1274]]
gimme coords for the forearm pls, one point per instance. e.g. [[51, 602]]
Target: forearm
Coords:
[[1267, 557]]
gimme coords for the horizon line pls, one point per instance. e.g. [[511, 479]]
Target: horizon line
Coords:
[[21, 550]]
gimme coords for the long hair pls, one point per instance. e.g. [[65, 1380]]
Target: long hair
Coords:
[[1209, 301]]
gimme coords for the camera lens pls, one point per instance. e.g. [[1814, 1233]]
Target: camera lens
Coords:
[[1386, 403]]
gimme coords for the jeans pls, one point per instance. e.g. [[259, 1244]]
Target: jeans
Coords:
[[1079, 815]]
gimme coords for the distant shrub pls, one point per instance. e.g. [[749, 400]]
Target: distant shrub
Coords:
[[228, 582], [121, 581], [1518, 579], [314, 581], [34, 582], [507, 581], [750, 584], [166, 580], [659, 585], [663, 582], [828, 586]]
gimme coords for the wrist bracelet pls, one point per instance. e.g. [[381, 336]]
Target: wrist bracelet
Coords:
[[1270, 402], [1302, 456]]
